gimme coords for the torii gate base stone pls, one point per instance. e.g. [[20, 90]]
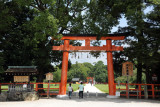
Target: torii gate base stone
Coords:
[[66, 48]]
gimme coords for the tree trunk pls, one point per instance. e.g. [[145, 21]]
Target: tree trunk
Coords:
[[148, 76], [40, 80], [139, 73]]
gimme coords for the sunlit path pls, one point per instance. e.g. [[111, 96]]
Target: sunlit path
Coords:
[[85, 102], [91, 89]]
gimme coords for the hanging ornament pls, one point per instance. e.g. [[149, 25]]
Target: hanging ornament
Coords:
[[102, 54], [75, 54], [81, 54], [87, 55]]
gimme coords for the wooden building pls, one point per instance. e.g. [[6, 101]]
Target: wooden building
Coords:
[[21, 73]]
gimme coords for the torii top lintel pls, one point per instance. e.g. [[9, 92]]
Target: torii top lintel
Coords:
[[92, 37], [87, 38]]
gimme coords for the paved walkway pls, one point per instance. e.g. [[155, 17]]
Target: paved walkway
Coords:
[[91, 89]]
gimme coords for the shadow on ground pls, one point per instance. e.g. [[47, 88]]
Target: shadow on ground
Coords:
[[102, 98]]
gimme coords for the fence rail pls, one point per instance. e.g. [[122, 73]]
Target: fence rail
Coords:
[[49, 88], [139, 90]]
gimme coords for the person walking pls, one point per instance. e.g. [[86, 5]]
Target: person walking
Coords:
[[70, 90], [81, 89]]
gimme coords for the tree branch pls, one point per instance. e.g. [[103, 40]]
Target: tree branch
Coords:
[[69, 3], [35, 7]]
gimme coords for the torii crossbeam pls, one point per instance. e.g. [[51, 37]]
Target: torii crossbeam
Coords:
[[66, 48]]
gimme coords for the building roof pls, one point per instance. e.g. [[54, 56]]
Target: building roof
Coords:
[[75, 79], [21, 70]]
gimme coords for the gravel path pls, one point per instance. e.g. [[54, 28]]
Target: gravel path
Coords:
[[86, 102]]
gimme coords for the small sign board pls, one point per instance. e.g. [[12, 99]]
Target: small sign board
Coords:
[[21, 79], [117, 93], [154, 77], [127, 69], [49, 76]]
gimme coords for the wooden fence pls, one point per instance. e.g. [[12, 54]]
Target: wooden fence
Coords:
[[139, 90], [31, 86], [127, 90]]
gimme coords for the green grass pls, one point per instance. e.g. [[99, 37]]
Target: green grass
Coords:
[[4, 87], [104, 87], [75, 87]]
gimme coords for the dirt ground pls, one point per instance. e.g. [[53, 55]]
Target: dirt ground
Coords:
[[85, 102]]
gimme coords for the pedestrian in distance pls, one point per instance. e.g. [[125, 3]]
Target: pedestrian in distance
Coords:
[[70, 90], [81, 89]]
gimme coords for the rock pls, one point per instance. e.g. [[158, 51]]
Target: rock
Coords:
[[19, 96], [30, 96], [15, 96], [3, 96]]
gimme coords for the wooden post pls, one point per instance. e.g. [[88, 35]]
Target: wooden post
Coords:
[[0, 88], [64, 68], [37, 87], [153, 95], [110, 68], [139, 89], [59, 88], [48, 89], [127, 96], [128, 86]]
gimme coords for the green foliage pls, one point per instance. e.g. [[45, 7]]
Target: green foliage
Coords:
[[157, 2], [26, 28], [57, 75], [90, 72], [83, 70], [1, 67], [143, 40], [100, 72], [132, 79], [78, 70], [48, 25]]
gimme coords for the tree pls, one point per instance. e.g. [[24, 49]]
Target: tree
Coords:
[[57, 75], [142, 40], [153, 29], [12, 35], [102, 16], [78, 70], [100, 72], [90, 72]]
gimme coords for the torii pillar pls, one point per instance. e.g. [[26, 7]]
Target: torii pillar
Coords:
[[110, 68], [64, 68]]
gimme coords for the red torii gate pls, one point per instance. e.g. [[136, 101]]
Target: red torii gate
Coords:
[[89, 78], [87, 37]]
